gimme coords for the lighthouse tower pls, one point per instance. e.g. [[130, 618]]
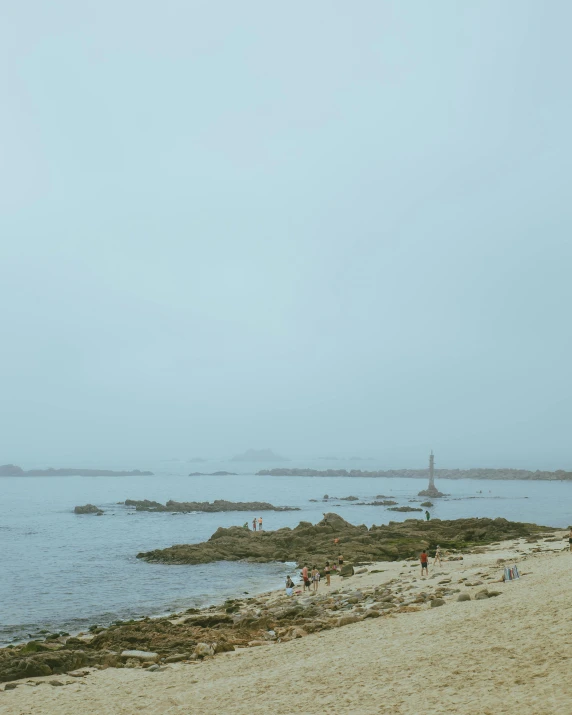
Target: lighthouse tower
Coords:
[[431, 490], [431, 471]]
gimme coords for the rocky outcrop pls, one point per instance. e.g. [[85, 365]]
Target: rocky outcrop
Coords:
[[88, 509], [216, 506], [432, 492], [20, 663], [404, 508], [384, 502], [309, 543], [350, 498]]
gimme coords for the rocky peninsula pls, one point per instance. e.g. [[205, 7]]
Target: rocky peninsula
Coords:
[[12, 470], [217, 505], [314, 544], [559, 475]]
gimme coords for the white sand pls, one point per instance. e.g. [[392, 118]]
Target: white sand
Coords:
[[507, 654]]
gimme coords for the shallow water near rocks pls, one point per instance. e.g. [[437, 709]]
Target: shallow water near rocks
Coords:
[[64, 572]]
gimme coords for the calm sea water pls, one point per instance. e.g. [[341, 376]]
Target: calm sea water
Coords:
[[61, 571]]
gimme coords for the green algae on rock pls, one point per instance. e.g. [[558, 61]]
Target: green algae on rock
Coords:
[[215, 506], [309, 543]]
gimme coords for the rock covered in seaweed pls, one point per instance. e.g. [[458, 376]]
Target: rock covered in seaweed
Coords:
[[216, 506], [88, 509], [309, 543]]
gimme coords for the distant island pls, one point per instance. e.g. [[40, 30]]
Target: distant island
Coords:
[[490, 474], [213, 474], [259, 455], [11, 470]]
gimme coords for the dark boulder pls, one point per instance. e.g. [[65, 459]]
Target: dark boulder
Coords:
[[88, 509]]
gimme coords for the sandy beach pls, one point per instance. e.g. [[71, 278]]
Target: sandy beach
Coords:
[[504, 654]]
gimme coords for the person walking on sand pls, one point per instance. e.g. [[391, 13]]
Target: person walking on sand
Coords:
[[424, 562], [315, 578], [259, 523], [254, 524], [437, 556], [327, 570]]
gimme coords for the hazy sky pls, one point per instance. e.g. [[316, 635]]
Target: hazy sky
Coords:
[[322, 227]]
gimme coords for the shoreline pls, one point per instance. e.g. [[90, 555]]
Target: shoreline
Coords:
[[380, 663]]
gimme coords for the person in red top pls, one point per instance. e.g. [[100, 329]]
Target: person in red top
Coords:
[[424, 558]]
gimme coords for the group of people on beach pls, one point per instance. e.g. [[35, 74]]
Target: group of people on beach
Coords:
[[311, 579]]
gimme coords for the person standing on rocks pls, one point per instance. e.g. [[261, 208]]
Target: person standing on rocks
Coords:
[[254, 524], [340, 560], [570, 538], [427, 515], [259, 523], [327, 570], [424, 562]]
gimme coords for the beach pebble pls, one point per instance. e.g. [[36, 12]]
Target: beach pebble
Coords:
[[153, 668], [437, 602], [481, 595], [223, 647], [204, 649], [464, 597], [139, 654], [346, 620]]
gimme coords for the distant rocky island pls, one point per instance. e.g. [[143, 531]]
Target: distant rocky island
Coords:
[[213, 474], [11, 470], [216, 506], [490, 474], [259, 455]]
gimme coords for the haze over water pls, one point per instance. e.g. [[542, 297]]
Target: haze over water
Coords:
[[328, 229]]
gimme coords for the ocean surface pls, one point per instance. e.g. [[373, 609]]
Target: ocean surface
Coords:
[[64, 572]]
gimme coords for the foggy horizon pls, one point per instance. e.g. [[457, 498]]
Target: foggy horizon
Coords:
[[331, 230]]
